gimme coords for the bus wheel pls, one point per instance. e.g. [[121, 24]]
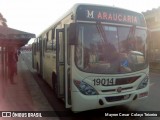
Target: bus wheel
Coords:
[[54, 84]]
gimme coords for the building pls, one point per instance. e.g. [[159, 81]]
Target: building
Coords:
[[153, 23], [153, 18]]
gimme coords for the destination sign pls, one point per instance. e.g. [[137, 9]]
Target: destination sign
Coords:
[[109, 14]]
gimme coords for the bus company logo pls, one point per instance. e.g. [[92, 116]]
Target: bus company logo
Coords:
[[6, 114], [119, 89]]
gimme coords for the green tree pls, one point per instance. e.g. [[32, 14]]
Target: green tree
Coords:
[[3, 20]]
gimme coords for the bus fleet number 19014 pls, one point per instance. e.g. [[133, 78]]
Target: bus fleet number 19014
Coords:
[[104, 81]]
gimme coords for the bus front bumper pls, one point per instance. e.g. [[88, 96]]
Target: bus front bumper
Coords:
[[82, 102]]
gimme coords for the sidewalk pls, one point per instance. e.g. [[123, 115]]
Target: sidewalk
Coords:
[[25, 95]]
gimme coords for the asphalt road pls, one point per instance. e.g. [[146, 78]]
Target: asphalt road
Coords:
[[152, 103]]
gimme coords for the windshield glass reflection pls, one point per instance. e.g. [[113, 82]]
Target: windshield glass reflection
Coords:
[[110, 49]]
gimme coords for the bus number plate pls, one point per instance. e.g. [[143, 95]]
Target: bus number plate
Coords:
[[104, 82]]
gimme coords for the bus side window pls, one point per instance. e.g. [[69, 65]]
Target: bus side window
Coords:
[[37, 44], [53, 40], [44, 40], [49, 41], [54, 44]]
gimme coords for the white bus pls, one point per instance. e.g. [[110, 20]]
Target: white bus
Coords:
[[95, 57]]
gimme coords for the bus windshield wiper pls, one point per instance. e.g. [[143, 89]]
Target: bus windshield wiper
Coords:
[[101, 32], [131, 33], [131, 37]]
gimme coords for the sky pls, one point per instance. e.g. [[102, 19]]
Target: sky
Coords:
[[34, 16]]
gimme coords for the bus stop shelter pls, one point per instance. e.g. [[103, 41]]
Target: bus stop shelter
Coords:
[[10, 39]]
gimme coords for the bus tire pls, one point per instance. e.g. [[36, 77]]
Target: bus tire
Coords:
[[54, 84]]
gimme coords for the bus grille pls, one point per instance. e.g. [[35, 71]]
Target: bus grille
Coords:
[[117, 98], [129, 80], [114, 90]]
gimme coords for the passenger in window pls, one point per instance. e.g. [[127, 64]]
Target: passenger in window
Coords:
[[124, 63]]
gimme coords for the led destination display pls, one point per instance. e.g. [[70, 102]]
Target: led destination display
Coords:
[[109, 14]]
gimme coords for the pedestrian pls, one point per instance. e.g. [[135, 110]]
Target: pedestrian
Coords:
[[12, 64]]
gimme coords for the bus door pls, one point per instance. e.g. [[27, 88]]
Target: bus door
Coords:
[[62, 65]]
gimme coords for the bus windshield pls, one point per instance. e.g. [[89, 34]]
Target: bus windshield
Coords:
[[110, 49]]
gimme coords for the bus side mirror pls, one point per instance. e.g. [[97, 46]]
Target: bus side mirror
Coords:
[[72, 34]]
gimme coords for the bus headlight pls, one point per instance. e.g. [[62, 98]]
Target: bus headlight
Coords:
[[144, 83], [84, 88]]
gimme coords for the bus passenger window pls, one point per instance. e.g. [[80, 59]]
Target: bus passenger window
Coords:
[[54, 44], [49, 41]]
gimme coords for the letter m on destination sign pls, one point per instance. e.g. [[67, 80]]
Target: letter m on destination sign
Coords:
[[90, 14]]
